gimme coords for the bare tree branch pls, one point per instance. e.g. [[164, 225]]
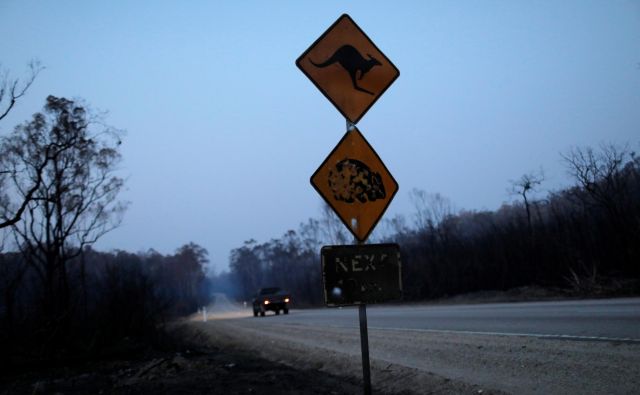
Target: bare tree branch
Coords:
[[12, 91], [431, 208], [599, 174]]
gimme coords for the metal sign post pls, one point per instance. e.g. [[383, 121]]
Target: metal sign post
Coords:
[[350, 70], [364, 346], [359, 274], [364, 339]]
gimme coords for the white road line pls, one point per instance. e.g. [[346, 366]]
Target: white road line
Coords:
[[538, 335]]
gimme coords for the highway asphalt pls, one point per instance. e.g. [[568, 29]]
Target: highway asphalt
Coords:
[[599, 319]]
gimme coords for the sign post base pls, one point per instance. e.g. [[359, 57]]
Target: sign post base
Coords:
[[364, 345]]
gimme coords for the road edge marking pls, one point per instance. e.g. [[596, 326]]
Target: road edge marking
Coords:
[[510, 334]]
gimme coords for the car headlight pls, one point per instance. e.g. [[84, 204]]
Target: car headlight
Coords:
[[286, 300], [266, 302]]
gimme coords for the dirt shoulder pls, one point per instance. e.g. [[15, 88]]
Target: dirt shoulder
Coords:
[[335, 352], [195, 366]]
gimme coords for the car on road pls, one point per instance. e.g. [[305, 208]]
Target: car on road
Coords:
[[273, 299]]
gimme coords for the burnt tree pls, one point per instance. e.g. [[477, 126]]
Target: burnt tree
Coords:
[[62, 164]]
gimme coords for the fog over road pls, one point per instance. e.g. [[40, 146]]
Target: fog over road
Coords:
[[566, 347]]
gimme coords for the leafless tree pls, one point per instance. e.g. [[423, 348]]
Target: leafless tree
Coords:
[[431, 208], [527, 184], [607, 190], [599, 174], [389, 229], [62, 172], [334, 231], [11, 214], [11, 90], [311, 234]]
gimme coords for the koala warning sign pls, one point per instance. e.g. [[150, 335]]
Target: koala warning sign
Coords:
[[348, 68], [355, 183]]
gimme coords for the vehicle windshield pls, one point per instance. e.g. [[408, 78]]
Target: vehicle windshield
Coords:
[[268, 291]]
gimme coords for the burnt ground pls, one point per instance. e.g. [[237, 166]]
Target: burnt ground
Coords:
[[188, 365]]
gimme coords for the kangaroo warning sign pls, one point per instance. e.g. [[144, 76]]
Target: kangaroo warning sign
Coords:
[[361, 274], [348, 68], [355, 183]]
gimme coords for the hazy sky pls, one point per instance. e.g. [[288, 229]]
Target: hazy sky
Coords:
[[223, 131]]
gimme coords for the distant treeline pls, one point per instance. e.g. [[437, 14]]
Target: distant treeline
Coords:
[[585, 238], [104, 297]]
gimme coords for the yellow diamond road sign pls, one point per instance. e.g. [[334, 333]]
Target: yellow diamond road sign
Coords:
[[348, 68], [355, 183]]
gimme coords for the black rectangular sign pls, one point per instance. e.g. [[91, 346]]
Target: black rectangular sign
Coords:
[[361, 274]]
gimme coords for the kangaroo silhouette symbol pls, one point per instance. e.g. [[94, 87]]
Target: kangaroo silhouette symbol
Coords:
[[350, 59]]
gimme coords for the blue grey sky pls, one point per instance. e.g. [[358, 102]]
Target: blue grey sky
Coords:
[[223, 131]]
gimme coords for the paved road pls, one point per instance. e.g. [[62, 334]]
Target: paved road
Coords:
[[516, 348], [606, 318]]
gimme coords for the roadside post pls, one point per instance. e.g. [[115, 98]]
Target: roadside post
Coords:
[[364, 347], [352, 73]]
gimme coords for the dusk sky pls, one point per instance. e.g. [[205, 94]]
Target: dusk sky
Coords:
[[223, 131]]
